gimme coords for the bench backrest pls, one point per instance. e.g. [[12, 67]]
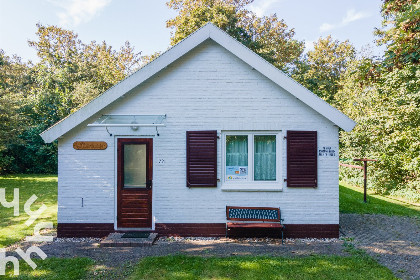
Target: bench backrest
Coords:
[[236, 213]]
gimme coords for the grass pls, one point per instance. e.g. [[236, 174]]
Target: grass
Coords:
[[53, 268], [180, 267], [12, 227], [315, 267], [351, 201]]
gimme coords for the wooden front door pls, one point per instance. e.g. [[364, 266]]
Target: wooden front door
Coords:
[[134, 171]]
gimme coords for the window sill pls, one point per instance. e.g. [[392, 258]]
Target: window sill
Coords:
[[252, 188]]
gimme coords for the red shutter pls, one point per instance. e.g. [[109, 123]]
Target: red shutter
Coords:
[[302, 166], [201, 158]]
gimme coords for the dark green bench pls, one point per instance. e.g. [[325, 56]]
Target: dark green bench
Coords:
[[254, 217]]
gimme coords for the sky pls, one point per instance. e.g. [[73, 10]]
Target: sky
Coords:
[[143, 22]]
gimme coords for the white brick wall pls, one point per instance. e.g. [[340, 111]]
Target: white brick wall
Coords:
[[208, 89]]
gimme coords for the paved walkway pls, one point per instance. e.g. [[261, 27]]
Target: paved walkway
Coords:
[[393, 241]]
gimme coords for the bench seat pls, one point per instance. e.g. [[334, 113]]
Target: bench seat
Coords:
[[254, 225], [254, 217]]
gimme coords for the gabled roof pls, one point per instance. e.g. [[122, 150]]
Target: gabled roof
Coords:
[[208, 31]]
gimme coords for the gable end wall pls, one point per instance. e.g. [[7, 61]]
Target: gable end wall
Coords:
[[207, 89]]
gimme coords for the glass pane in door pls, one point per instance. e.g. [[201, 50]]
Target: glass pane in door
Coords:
[[135, 165]]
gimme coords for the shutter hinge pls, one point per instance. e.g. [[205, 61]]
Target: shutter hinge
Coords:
[[218, 137], [285, 137], [285, 180]]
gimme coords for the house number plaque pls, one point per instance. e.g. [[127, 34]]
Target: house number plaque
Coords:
[[90, 145], [327, 151]]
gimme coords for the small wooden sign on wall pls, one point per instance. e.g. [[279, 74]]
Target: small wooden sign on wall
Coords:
[[90, 145]]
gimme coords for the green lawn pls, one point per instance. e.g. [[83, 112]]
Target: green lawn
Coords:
[[315, 267], [181, 267], [351, 201], [13, 228], [53, 269]]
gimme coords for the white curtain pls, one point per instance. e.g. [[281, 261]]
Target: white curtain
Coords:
[[264, 157], [236, 150]]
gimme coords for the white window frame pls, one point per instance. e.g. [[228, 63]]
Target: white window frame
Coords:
[[250, 184]]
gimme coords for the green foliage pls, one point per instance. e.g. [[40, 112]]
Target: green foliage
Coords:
[[387, 111], [13, 228], [34, 97], [145, 59], [314, 267], [15, 83], [383, 97], [322, 68], [71, 73], [194, 14], [268, 36], [30, 150], [400, 32], [351, 201]]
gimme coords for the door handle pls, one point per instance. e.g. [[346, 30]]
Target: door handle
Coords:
[[149, 184]]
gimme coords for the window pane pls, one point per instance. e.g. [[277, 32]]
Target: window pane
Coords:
[[135, 166], [236, 157], [264, 157]]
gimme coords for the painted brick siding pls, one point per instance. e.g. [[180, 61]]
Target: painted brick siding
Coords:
[[207, 89]]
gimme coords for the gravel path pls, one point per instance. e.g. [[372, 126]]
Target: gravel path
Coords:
[[393, 241], [115, 256]]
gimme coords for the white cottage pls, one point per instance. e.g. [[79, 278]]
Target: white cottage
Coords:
[[206, 125]]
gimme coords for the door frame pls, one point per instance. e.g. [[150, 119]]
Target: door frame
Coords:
[[116, 180]]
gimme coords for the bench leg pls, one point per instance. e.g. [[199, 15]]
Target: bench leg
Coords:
[[282, 237]]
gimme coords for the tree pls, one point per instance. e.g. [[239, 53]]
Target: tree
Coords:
[[321, 69], [70, 74], [15, 83], [400, 32], [387, 110], [145, 59], [267, 36], [383, 97]]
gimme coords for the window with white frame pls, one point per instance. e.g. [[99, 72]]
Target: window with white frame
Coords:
[[251, 157]]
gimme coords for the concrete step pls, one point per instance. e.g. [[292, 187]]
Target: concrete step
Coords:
[[115, 240]]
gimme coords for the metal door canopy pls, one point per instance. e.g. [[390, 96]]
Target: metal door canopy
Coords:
[[129, 120]]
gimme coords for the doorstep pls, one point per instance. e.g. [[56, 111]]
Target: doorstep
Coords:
[[116, 240]]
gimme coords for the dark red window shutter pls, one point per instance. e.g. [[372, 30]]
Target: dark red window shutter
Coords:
[[202, 158], [302, 167]]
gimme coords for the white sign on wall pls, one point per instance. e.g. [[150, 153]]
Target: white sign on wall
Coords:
[[327, 151]]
